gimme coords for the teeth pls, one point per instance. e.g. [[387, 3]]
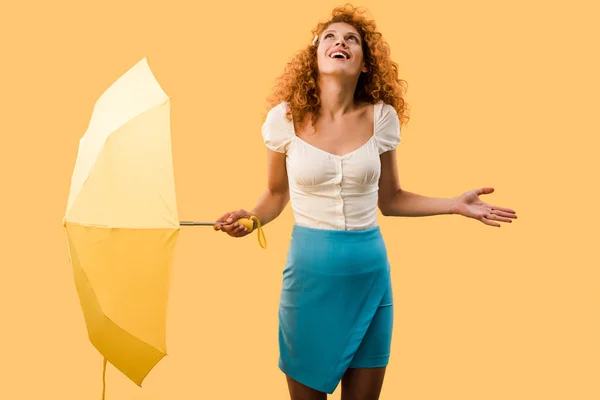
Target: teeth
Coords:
[[336, 53]]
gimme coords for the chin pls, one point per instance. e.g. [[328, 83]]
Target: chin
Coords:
[[338, 71]]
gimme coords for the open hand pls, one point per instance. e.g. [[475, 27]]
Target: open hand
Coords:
[[470, 205], [232, 228]]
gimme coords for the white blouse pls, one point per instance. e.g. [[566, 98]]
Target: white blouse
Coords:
[[328, 191]]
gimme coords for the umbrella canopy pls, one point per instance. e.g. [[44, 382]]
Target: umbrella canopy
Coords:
[[122, 224]]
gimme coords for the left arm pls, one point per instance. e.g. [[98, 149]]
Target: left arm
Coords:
[[393, 201], [396, 202]]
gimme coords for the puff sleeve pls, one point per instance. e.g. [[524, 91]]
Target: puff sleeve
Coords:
[[387, 128], [277, 131]]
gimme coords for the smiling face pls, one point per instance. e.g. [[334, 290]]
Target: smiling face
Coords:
[[340, 51]]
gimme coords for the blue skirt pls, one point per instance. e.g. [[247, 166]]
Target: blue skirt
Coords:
[[336, 309]]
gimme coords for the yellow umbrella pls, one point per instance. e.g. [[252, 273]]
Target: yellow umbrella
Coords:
[[122, 223]]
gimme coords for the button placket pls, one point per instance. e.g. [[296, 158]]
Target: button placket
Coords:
[[340, 201]]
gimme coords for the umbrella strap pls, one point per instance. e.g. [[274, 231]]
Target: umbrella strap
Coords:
[[261, 233], [104, 378]]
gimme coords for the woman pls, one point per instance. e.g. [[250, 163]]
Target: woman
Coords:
[[331, 133]]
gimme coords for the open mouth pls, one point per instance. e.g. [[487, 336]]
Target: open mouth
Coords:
[[340, 55]]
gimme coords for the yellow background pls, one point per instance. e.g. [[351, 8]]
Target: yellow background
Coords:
[[501, 94]]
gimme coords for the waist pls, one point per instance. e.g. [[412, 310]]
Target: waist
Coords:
[[334, 213], [332, 251], [340, 236]]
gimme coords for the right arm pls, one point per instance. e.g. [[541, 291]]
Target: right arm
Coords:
[[271, 203], [277, 195]]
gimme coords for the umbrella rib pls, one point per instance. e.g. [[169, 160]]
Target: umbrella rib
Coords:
[[93, 164]]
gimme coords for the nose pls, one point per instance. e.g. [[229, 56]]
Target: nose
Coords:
[[341, 41]]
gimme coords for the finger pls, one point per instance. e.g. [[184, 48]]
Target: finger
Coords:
[[242, 233], [484, 190], [224, 217], [496, 208], [240, 228], [238, 234], [228, 228], [234, 227], [497, 217], [504, 209], [236, 215], [504, 214], [487, 219], [488, 222], [230, 218]]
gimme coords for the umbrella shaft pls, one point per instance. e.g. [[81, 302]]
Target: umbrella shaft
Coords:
[[195, 223]]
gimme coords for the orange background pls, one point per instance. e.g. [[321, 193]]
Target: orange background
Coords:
[[501, 94]]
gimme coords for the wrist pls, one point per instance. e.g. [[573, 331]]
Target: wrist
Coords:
[[453, 205], [251, 214]]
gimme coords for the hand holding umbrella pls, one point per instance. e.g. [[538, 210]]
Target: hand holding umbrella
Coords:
[[235, 223]]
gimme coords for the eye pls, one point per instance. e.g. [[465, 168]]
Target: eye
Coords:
[[355, 38], [329, 34]]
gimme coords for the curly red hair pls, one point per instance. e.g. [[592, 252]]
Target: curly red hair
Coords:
[[298, 84]]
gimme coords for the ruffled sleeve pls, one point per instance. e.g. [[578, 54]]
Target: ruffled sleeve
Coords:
[[387, 127], [277, 131]]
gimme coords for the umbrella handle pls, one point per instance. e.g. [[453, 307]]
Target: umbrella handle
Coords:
[[249, 224]]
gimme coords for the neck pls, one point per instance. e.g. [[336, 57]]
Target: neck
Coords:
[[337, 96]]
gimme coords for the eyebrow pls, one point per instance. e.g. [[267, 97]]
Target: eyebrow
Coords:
[[350, 32]]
